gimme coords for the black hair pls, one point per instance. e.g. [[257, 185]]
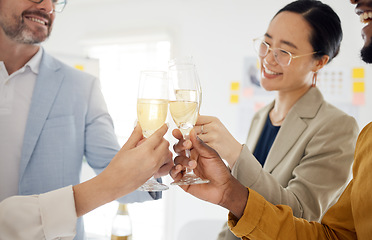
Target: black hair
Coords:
[[326, 33]]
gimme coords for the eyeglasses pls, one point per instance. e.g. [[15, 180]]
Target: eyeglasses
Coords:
[[58, 5], [281, 56]]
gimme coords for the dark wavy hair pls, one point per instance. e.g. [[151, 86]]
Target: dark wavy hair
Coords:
[[326, 35]]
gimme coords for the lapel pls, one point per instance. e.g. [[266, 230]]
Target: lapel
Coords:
[[293, 126], [46, 88], [258, 122]]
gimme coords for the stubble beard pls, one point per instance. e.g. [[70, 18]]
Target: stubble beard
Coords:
[[366, 53], [21, 33]]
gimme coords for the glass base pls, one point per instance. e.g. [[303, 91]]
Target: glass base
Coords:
[[190, 179], [153, 186]]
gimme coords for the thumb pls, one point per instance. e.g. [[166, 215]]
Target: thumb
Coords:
[[134, 138], [202, 148]]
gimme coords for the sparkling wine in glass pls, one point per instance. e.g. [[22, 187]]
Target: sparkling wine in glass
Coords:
[[152, 109], [184, 105]]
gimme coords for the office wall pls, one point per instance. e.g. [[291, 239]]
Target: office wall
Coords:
[[217, 33]]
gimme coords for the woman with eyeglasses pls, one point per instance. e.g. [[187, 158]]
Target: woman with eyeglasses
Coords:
[[299, 148]]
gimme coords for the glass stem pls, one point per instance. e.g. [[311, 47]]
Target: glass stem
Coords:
[[188, 155]]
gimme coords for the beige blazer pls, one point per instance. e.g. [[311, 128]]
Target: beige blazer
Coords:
[[310, 160]]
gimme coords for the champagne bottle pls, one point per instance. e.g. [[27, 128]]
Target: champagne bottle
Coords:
[[122, 225]]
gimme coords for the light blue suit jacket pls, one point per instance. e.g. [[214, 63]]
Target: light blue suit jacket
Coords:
[[68, 120]]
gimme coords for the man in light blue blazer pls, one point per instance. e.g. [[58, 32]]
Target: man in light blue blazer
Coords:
[[68, 120], [51, 115]]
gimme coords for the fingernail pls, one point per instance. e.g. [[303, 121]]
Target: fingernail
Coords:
[[135, 123]]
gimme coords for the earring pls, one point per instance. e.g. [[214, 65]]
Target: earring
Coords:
[[315, 78]]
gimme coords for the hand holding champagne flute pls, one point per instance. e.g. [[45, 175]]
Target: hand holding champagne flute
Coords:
[[184, 105], [152, 109]]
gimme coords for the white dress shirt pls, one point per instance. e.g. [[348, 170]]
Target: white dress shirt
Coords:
[[15, 99], [48, 216]]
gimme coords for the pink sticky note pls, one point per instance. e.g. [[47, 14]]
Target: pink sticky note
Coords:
[[359, 99], [258, 106], [248, 92]]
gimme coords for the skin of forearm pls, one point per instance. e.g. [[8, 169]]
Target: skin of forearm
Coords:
[[96, 192], [234, 154], [235, 198]]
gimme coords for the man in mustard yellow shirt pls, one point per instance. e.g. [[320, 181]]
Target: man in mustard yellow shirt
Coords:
[[252, 217]]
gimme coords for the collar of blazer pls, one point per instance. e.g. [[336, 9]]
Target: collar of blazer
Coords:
[[292, 128], [308, 105]]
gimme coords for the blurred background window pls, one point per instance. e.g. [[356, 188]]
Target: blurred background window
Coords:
[[119, 68]]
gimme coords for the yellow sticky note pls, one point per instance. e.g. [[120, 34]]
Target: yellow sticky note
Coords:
[[258, 64], [235, 86], [234, 98], [358, 72], [80, 67], [358, 87]]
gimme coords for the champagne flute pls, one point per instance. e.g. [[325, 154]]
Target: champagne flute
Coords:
[[152, 109], [184, 105]]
